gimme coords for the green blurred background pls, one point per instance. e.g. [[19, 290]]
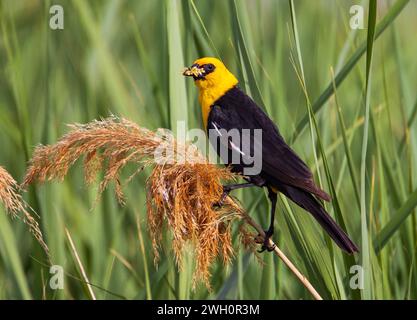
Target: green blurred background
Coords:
[[125, 57]]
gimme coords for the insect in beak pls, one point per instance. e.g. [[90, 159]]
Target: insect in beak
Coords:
[[194, 71]]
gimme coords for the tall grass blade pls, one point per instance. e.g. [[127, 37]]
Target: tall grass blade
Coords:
[[243, 53], [348, 67], [382, 238], [365, 252]]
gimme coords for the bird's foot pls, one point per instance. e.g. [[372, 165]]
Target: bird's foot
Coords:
[[265, 242], [220, 203]]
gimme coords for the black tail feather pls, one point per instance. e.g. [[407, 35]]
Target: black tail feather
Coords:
[[309, 203]]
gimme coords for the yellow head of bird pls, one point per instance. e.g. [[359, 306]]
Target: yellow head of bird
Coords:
[[210, 73], [212, 79]]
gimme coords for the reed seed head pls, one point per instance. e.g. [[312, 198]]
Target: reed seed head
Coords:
[[17, 207], [180, 194]]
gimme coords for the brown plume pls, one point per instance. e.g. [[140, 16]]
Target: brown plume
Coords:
[[17, 207], [181, 189]]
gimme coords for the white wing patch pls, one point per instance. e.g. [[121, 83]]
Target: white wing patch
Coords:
[[234, 147], [217, 129]]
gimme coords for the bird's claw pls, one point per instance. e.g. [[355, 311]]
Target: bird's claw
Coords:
[[267, 248], [265, 242], [225, 193], [218, 204]]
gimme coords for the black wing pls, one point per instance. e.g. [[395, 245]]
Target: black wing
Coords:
[[280, 164]]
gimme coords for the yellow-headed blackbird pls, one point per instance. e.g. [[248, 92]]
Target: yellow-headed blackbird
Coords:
[[226, 107]]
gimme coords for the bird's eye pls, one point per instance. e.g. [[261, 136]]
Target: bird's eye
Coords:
[[210, 67]]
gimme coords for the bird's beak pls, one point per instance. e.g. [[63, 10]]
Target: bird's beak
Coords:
[[194, 71]]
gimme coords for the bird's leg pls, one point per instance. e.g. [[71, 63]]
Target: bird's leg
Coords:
[[228, 188], [272, 195]]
